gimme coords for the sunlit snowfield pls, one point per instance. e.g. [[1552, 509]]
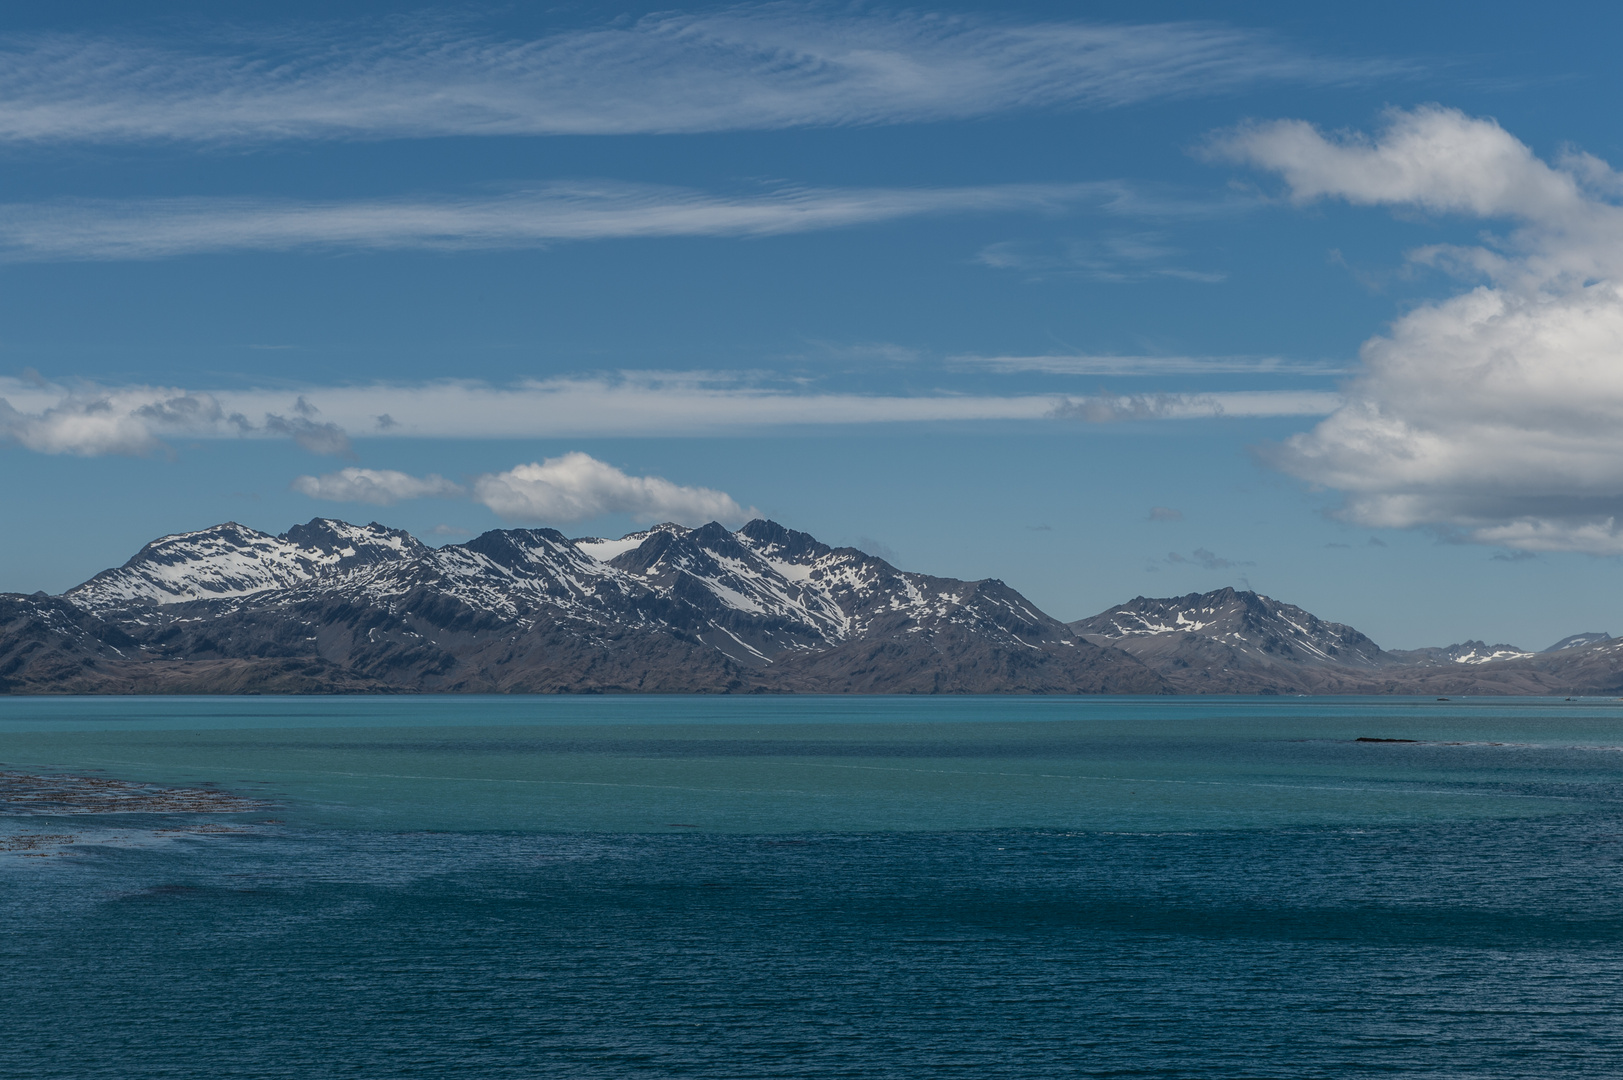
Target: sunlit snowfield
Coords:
[[810, 887]]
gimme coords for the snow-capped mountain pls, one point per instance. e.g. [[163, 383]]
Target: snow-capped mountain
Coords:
[[1234, 637], [762, 607], [230, 560]]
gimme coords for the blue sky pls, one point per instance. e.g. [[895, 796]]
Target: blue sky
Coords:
[[1101, 299]]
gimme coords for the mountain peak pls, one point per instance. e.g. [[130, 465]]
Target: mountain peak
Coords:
[[1578, 641], [231, 560], [1228, 629]]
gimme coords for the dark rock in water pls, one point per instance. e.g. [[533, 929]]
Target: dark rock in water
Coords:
[[24, 794], [1366, 738]]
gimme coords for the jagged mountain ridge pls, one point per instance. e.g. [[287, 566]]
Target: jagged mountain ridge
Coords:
[[762, 589], [672, 608]]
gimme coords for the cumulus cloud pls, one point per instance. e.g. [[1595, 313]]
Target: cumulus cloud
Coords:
[[743, 67], [1495, 415], [576, 486], [571, 487], [90, 229], [376, 487]]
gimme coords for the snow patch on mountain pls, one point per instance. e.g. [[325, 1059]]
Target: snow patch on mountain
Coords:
[[1477, 652]]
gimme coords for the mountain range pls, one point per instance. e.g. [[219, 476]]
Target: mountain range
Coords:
[[1234, 642], [334, 607], [330, 607]]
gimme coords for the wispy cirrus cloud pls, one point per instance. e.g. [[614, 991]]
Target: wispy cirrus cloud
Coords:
[[1122, 257], [163, 228], [750, 67], [1108, 364], [1105, 408], [92, 420]]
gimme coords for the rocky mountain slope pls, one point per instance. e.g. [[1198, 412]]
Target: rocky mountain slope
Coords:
[[338, 607], [1234, 642]]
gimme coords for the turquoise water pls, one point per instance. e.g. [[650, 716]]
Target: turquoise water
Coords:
[[871, 887]]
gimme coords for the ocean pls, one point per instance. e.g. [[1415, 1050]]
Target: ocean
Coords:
[[810, 887]]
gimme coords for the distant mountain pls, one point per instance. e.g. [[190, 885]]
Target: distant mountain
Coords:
[[330, 606], [1579, 641], [1466, 652], [1230, 641]]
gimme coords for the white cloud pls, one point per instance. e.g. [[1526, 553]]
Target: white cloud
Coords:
[[376, 487], [100, 420], [90, 422], [1146, 365], [1495, 415], [1431, 157], [576, 486], [1121, 258], [163, 228], [1112, 408], [746, 67], [571, 487]]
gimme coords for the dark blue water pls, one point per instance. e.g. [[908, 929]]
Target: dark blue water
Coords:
[[1134, 889]]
